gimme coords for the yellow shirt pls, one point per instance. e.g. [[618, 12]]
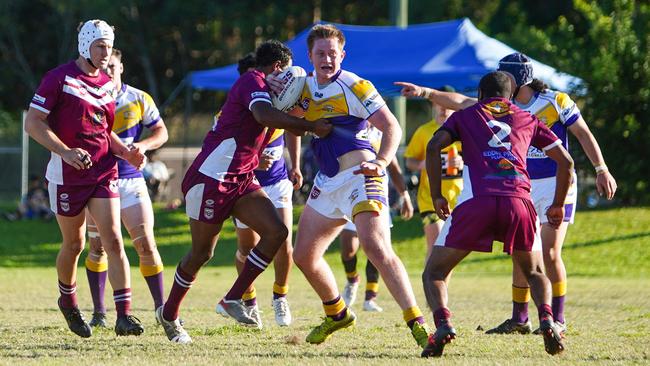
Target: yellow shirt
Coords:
[[417, 149]]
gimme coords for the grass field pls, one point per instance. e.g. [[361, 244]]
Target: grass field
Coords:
[[608, 306]]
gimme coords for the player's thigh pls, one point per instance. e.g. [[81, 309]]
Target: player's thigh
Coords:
[[258, 213], [442, 261], [73, 230], [349, 241], [315, 233], [527, 261], [373, 232], [106, 214], [204, 238], [553, 239]]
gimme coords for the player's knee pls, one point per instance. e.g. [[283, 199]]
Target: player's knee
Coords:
[[434, 273], [96, 247], [113, 245], [73, 247], [277, 235], [302, 259], [552, 255]]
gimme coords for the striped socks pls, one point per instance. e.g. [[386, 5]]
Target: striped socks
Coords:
[[122, 300], [182, 284], [68, 297], [255, 264]]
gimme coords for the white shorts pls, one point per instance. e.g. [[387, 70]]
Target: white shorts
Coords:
[[133, 191], [346, 194], [542, 192], [279, 193]]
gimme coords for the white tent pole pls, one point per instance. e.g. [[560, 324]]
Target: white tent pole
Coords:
[[25, 158], [399, 16]]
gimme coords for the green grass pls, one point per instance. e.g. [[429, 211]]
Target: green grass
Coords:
[[607, 308]]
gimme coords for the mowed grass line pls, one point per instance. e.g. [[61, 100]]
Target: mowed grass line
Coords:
[[607, 307]]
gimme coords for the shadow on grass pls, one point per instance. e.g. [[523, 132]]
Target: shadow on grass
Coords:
[[567, 247], [36, 243]]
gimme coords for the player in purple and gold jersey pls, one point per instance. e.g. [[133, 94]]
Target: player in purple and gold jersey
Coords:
[[221, 182], [71, 115], [495, 203], [350, 186], [134, 111]]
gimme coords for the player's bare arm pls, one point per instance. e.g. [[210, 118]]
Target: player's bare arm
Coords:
[[555, 213], [293, 146], [386, 122], [268, 116], [158, 137], [449, 100], [605, 182], [439, 141], [133, 156], [37, 127], [395, 173]]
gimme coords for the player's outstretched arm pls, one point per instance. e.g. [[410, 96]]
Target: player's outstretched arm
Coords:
[[439, 141], [449, 100], [158, 137], [560, 155], [605, 182], [268, 116]]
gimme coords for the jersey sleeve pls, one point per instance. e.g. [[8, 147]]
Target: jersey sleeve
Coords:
[[47, 94], [150, 113], [253, 90], [452, 126], [416, 148], [366, 99], [543, 138], [568, 110]]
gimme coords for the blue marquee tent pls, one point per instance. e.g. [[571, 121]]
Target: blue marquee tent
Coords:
[[452, 53]]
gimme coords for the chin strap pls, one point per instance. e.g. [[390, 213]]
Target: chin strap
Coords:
[[91, 63], [514, 95]]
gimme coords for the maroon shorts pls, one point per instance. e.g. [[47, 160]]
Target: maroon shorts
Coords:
[[211, 201], [477, 222], [68, 200]]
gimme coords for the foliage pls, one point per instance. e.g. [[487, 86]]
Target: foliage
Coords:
[[604, 42]]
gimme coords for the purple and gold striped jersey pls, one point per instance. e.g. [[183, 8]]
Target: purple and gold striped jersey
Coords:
[[278, 170], [347, 102], [558, 112], [134, 110]]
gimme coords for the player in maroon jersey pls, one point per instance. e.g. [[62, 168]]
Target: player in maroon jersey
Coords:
[[72, 115], [495, 203], [221, 183]]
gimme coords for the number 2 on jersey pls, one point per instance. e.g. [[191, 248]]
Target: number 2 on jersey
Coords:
[[504, 130]]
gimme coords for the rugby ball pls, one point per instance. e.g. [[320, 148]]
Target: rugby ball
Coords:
[[293, 78]]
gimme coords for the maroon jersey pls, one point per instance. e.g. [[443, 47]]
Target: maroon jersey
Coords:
[[233, 145], [496, 135], [80, 110]]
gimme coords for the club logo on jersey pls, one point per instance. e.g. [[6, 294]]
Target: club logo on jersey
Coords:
[[315, 192], [98, 117], [112, 185], [209, 202], [208, 213], [354, 195]]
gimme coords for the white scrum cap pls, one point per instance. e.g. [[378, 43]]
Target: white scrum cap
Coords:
[[91, 31]]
